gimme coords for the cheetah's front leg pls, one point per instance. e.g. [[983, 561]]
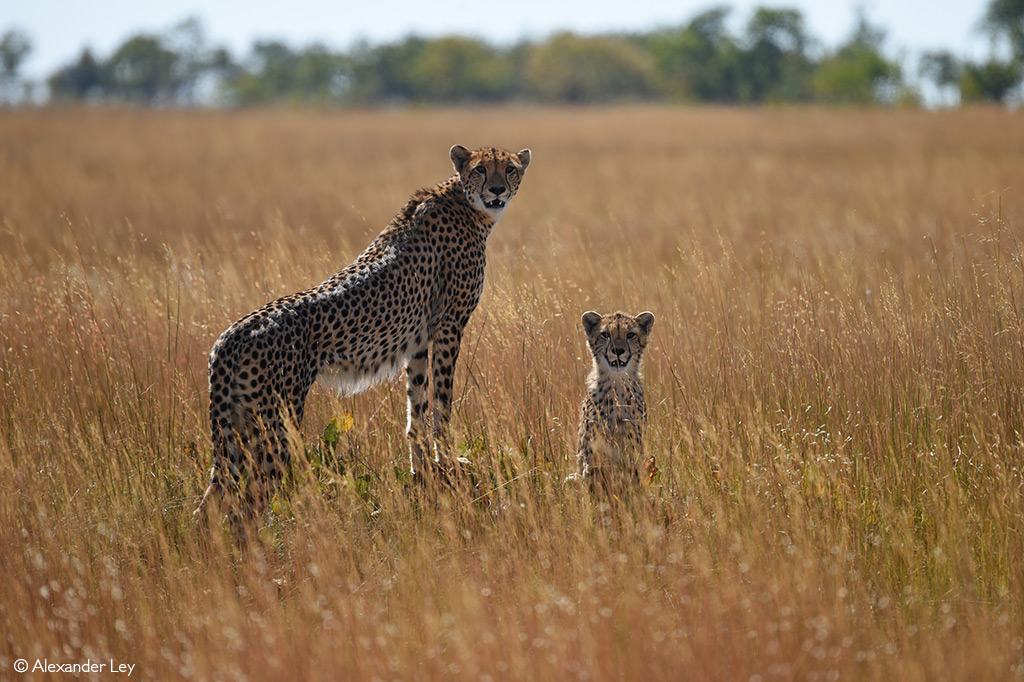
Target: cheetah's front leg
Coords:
[[416, 393], [444, 353]]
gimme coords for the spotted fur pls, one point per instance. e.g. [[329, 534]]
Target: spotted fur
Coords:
[[404, 302], [613, 414]]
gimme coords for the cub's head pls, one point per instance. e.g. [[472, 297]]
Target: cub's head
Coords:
[[490, 176], [617, 340]]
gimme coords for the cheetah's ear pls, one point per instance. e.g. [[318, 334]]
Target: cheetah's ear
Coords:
[[590, 321], [646, 321], [460, 155], [524, 158]]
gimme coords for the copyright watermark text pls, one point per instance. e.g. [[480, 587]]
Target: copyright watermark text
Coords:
[[42, 665]]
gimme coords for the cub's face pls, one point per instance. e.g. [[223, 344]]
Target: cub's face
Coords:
[[617, 340], [490, 176]]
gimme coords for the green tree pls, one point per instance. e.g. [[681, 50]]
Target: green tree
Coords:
[[320, 76], [15, 46], [385, 73], [698, 61], [858, 72], [142, 70], [275, 73], [274, 67], [223, 72], [1005, 19], [167, 69], [266, 75], [461, 69], [195, 58], [942, 68], [995, 79], [79, 81], [990, 81], [775, 65], [576, 69]]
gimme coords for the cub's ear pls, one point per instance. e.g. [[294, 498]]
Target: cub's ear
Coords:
[[524, 158], [646, 321], [590, 321], [460, 155]]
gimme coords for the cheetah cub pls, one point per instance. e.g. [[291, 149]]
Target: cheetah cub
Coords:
[[613, 415]]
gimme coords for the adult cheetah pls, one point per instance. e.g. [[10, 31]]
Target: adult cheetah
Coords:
[[613, 414], [404, 301]]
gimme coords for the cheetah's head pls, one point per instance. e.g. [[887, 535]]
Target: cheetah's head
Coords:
[[490, 176], [617, 340]]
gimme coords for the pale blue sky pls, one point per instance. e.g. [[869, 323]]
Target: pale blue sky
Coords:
[[60, 28]]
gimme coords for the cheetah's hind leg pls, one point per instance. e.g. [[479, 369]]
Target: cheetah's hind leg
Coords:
[[223, 497]]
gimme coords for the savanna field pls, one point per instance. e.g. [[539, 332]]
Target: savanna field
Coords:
[[834, 385]]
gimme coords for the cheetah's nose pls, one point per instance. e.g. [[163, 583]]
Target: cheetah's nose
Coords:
[[496, 190], [619, 351]]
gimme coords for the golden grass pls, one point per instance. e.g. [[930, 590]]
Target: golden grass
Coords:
[[834, 385]]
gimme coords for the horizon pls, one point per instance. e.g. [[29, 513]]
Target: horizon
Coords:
[[58, 35]]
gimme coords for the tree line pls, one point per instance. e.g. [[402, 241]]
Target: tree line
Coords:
[[774, 59]]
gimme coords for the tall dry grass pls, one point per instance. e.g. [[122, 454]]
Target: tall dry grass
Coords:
[[834, 384]]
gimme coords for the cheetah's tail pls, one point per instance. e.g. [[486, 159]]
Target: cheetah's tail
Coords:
[[222, 433]]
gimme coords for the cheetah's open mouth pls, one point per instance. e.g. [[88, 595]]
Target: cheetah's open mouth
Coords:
[[495, 203]]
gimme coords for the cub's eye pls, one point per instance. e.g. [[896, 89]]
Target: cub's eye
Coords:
[[510, 170], [481, 170], [631, 336], [605, 335]]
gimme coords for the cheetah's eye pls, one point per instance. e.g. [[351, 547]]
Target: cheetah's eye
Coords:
[[481, 170], [631, 336], [510, 170], [605, 335]]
